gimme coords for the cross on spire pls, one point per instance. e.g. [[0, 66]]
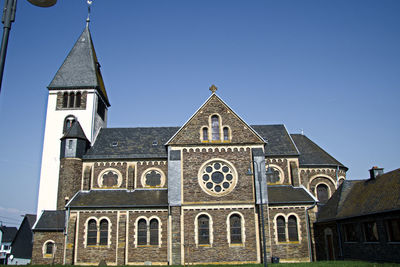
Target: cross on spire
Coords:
[[213, 88]]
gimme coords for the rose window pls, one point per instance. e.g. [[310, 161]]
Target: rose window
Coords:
[[217, 178]]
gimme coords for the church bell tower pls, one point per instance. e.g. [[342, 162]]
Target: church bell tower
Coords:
[[76, 94]]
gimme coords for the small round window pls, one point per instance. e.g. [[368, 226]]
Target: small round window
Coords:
[[217, 177]]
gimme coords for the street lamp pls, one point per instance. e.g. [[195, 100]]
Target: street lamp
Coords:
[[268, 173], [10, 7]]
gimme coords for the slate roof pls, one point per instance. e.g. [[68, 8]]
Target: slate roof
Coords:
[[115, 143], [51, 220], [363, 197], [279, 142], [81, 69], [149, 142], [75, 131], [120, 198], [312, 154], [8, 233], [21, 247], [287, 194]]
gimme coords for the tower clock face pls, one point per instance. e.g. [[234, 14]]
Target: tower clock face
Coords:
[[217, 177]]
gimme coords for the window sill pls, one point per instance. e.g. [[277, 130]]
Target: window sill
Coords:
[[205, 245], [236, 245], [97, 246], [371, 242], [147, 246], [48, 256], [289, 242]]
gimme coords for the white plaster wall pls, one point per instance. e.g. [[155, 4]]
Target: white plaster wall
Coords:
[[48, 186]]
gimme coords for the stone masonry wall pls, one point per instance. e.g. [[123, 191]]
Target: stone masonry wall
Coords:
[[38, 252], [220, 250], [239, 158], [289, 251], [140, 254], [69, 180]]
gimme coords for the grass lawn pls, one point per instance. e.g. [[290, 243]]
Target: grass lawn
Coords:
[[312, 264]]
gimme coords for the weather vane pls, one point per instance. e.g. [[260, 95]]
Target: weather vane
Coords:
[[89, 2]]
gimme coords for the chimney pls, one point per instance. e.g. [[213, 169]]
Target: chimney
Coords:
[[374, 172]]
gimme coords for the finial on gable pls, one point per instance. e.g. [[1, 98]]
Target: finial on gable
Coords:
[[213, 88]]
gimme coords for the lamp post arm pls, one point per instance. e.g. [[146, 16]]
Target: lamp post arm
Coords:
[[10, 7]]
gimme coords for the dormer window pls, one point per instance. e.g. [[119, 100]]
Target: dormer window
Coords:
[[215, 128], [68, 123]]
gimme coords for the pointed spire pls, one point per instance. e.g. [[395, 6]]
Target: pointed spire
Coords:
[[89, 2], [81, 69]]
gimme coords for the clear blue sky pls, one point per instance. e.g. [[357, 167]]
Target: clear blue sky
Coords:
[[331, 68]]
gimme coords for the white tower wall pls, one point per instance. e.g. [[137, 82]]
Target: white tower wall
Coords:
[[49, 174]]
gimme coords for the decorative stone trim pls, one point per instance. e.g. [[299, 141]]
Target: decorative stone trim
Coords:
[[98, 220], [196, 229], [100, 180], [321, 175], [136, 228], [157, 170], [286, 217], [217, 177], [242, 228], [46, 255]]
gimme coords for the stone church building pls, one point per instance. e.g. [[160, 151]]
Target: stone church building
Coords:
[[199, 193]]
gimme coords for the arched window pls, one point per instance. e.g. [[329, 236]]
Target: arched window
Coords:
[[281, 229], [153, 232], [49, 248], [226, 133], [92, 232], [236, 229], [215, 127], [78, 99], [65, 100], [205, 134], [103, 232], [71, 100], [322, 193], [142, 232], [203, 223], [68, 123], [274, 176], [292, 228]]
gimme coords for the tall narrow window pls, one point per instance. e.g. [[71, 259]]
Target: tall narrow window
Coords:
[[65, 100], [393, 230], [236, 229], [68, 123], [292, 228], [203, 223], [371, 232], [49, 248], [281, 231], [71, 100], [103, 232], [205, 134], [91, 233], [322, 193], [78, 99], [153, 232], [142, 232], [226, 134], [215, 127]]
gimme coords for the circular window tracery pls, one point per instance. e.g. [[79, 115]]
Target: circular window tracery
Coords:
[[110, 178], [217, 177], [153, 177]]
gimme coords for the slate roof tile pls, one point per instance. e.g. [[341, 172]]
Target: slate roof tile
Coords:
[[51, 220], [287, 194], [8, 233], [120, 198]]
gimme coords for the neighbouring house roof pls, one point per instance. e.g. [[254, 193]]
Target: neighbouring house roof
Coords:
[[287, 194], [21, 246], [75, 131], [8, 233], [311, 154], [363, 197], [120, 198], [81, 69], [51, 220]]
